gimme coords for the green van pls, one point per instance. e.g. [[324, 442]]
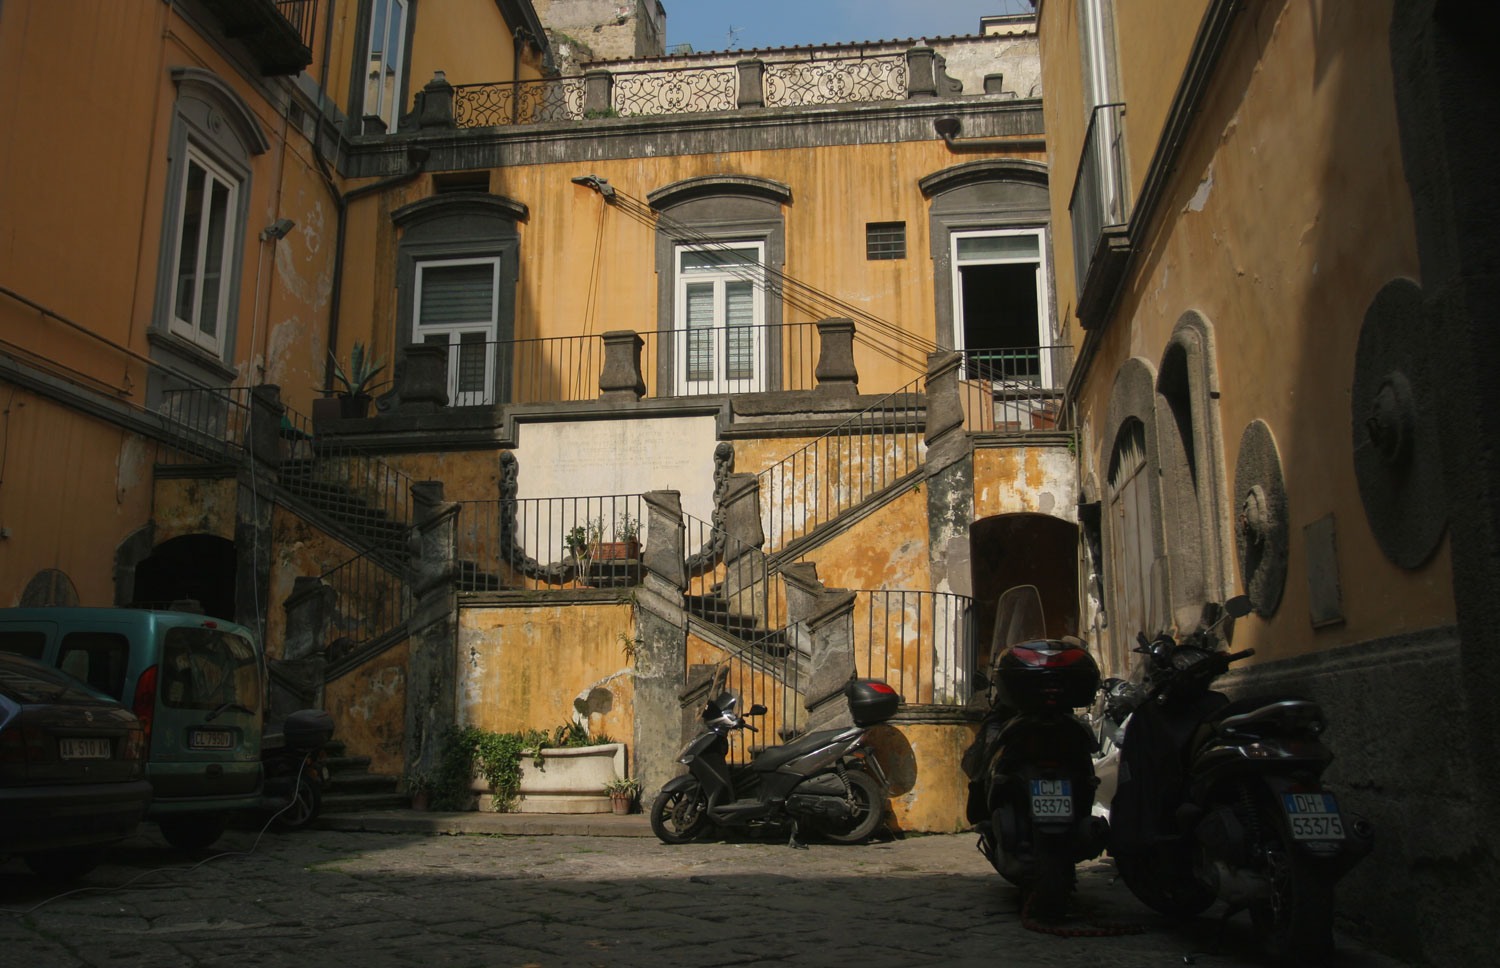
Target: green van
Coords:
[[196, 684]]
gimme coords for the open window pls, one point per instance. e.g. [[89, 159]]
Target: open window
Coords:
[[1001, 306], [385, 61]]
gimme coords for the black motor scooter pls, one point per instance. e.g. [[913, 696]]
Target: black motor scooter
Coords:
[[1031, 766], [1225, 800], [296, 770], [828, 779]]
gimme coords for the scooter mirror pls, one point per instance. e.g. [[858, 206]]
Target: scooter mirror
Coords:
[[756, 710], [1239, 606]]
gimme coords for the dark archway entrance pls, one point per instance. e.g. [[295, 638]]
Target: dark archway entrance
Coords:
[[200, 567], [1024, 549]]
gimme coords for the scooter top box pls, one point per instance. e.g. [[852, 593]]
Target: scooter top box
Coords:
[[871, 701], [307, 728], [1046, 674]]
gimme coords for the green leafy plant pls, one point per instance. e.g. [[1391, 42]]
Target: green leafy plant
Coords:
[[627, 527], [620, 785], [359, 379]]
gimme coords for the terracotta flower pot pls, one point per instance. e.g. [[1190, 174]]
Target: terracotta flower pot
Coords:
[[620, 802]]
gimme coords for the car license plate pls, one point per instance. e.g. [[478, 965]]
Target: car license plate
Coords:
[[1313, 816], [211, 739], [83, 749], [1051, 798]]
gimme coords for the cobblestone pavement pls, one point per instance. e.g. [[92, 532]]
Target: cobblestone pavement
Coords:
[[330, 898]]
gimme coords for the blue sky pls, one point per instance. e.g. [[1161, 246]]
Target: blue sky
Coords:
[[789, 23]]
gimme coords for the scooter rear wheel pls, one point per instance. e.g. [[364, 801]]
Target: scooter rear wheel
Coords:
[[1164, 881], [304, 807], [867, 810], [680, 815], [1054, 876], [1296, 921]]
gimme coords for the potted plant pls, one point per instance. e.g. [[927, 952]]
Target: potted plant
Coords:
[[582, 541], [356, 385], [623, 793], [419, 788], [627, 545]]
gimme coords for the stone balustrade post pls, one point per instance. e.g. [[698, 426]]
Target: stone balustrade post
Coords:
[[422, 378], [921, 73], [433, 105], [836, 372], [830, 663], [598, 93], [620, 379], [432, 668], [264, 441], [661, 644], [752, 80]]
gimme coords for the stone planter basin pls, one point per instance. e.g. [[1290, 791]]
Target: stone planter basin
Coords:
[[570, 780]]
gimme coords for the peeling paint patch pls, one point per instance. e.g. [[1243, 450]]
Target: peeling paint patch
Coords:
[[1200, 197], [132, 466]]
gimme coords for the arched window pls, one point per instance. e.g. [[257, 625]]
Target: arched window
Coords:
[[1132, 550], [720, 246], [457, 269]]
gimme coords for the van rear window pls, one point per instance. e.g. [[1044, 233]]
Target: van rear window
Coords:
[[98, 658], [25, 642], [207, 668]]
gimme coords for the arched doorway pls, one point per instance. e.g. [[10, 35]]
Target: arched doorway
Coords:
[[197, 567], [1024, 549]]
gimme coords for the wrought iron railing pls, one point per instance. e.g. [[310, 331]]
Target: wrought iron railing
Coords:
[[834, 473], [550, 542], [920, 642], [203, 425], [552, 369], [836, 80], [730, 359], [518, 102], [735, 588], [1100, 197], [302, 15], [370, 499], [368, 601], [1013, 390], [675, 91]]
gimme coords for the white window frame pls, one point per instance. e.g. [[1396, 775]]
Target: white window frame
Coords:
[[756, 276], [388, 112], [192, 329], [455, 331], [1043, 303]]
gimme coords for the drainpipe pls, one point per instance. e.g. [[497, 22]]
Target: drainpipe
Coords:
[[416, 157], [949, 127]]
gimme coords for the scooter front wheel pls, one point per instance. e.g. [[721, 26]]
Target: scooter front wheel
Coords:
[[867, 809], [304, 807], [680, 815]]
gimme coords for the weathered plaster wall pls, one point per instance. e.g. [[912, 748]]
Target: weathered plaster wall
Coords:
[[191, 505], [888, 549], [368, 707], [74, 488], [1318, 250], [299, 550], [531, 666], [1008, 480], [927, 785], [572, 234]]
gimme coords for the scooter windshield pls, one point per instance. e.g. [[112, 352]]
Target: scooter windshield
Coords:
[[1018, 618]]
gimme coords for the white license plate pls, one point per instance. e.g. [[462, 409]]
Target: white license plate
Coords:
[[1313, 816], [83, 749], [211, 739], [1051, 798]]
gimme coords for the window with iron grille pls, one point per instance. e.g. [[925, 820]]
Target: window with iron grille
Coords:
[[885, 240]]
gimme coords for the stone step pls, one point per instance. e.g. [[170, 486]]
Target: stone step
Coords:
[[362, 783], [356, 802], [347, 764]]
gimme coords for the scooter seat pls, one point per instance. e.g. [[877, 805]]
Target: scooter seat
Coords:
[[778, 755]]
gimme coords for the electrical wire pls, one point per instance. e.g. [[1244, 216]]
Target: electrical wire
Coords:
[[158, 870]]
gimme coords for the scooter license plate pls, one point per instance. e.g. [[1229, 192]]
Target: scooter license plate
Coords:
[[1051, 798], [1313, 816]]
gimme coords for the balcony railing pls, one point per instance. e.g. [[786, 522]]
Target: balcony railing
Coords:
[[679, 363], [367, 600], [1013, 390], [1100, 198], [204, 426], [278, 33], [836, 80], [686, 90], [920, 642], [550, 542]]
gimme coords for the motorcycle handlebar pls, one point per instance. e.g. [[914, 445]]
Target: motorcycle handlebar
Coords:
[[745, 725], [1243, 654]]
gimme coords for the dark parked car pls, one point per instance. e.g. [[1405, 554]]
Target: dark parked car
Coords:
[[72, 769]]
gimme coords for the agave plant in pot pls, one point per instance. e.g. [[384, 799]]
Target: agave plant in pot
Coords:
[[623, 793], [354, 386]]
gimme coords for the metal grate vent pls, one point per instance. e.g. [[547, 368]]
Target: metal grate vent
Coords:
[[885, 240]]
